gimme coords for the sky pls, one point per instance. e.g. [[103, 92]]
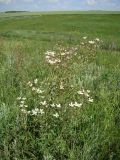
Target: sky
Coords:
[[54, 5]]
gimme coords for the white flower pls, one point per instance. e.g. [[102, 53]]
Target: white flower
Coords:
[[33, 89], [23, 98], [71, 86], [44, 103], [22, 102], [97, 39], [86, 94], [90, 100], [36, 81], [39, 91], [47, 57], [28, 112], [62, 54], [35, 111], [24, 111], [80, 92], [21, 105], [53, 105], [50, 53], [41, 111], [84, 37], [71, 104], [91, 42], [51, 62], [29, 84], [56, 115], [61, 86], [59, 60], [25, 106], [19, 98], [78, 104], [58, 105], [88, 91], [82, 43]]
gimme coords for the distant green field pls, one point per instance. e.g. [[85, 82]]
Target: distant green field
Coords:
[[60, 86], [35, 26], [57, 12]]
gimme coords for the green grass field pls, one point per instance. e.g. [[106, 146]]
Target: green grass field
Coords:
[[60, 86]]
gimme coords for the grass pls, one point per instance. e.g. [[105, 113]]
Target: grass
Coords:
[[86, 132]]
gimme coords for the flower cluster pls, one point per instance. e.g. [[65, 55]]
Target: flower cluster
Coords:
[[34, 88], [86, 94], [22, 105], [37, 111], [51, 58], [60, 55], [75, 104], [91, 43], [49, 97], [42, 103]]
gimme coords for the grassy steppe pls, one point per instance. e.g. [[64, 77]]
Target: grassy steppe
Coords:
[[89, 132]]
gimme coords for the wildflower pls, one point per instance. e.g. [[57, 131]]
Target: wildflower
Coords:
[[24, 111], [21, 106], [47, 57], [28, 112], [77, 104], [71, 104], [29, 84], [71, 86], [36, 81], [84, 37], [35, 111], [50, 53], [39, 91], [19, 98], [90, 100], [51, 62], [33, 89], [86, 94], [53, 105], [82, 43], [97, 39], [62, 54], [41, 111], [61, 86], [57, 60], [56, 115], [80, 92], [25, 106], [22, 102], [91, 42], [88, 91], [23, 98], [58, 105], [44, 103]]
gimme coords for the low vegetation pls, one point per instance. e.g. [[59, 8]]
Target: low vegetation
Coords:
[[60, 87]]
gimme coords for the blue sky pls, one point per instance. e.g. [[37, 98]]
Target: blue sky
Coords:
[[48, 5]]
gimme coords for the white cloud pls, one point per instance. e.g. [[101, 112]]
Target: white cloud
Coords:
[[6, 1], [94, 2]]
